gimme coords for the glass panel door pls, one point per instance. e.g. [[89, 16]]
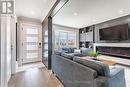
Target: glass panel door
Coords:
[[31, 44]]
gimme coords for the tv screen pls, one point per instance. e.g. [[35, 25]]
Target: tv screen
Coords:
[[117, 33]]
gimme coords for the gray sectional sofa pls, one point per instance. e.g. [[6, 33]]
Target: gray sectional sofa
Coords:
[[76, 72]]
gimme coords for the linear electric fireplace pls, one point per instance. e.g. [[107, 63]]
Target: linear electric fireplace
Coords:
[[123, 52]]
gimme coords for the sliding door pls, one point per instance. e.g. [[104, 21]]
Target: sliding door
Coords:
[[47, 27], [45, 46]]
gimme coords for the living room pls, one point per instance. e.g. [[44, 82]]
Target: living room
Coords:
[[65, 43], [103, 35]]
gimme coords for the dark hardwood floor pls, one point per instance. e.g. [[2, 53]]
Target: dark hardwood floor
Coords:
[[34, 78]]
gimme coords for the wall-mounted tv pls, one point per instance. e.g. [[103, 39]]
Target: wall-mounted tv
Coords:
[[115, 33]]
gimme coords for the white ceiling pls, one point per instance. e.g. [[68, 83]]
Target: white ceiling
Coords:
[[37, 9], [82, 13]]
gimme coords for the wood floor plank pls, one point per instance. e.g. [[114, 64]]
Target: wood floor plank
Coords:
[[34, 78]]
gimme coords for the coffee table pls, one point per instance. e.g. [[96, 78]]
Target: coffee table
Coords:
[[108, 62]]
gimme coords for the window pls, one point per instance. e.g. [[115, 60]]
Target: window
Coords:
[[71, 39], [62, 39], [65, 39], [57, 39]]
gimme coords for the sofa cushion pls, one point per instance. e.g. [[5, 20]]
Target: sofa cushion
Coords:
[[68, 55], [101, 68], [57, 52], [77, 51], [68, 50], [85, 51], [72, 50], [78, 54]]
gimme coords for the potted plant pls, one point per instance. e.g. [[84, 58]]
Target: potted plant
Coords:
[[94, 54]]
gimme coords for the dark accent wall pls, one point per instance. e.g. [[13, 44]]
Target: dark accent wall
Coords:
[[93, 33], [16, 42], [118, 21], [49, 41]]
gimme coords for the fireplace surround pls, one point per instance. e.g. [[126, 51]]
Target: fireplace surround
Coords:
[[123, 52]]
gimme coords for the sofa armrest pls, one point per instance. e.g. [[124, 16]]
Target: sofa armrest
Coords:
[[101, 82], [115, 71], [116, 78]]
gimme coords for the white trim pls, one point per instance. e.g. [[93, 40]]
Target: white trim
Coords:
[[2, 50], [13, 44], [5, 50]]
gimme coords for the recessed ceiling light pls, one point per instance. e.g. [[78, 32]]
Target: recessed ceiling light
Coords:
[[75, 14], [121, 11]]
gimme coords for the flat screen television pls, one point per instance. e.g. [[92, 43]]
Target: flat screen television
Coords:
[[115, 33]]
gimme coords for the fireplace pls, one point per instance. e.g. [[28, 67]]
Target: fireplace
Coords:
[[123, 52]]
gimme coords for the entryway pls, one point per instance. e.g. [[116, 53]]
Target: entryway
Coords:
[[30, 47], [28, 66], [31, 43]]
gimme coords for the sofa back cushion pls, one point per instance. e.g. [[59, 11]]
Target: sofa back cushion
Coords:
[[101, 68], [57, 52], [68, 50], [86, 51], [72, 50], [67, 55]]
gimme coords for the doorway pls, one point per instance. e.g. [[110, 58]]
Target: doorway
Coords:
[[31, 43]]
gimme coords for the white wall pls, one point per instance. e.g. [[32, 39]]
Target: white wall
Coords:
[[5, 49], [114, 22], [7, 39], [13, 44]]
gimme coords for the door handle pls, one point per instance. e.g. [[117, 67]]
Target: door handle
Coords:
[[40, 44]]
